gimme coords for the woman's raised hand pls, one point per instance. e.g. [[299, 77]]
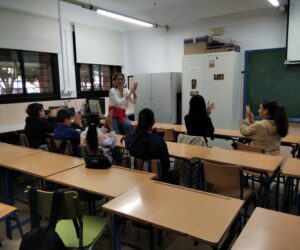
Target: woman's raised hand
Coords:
[[250, 115], [210, 107]]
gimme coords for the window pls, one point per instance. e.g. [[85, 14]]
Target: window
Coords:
[[94, 79], [28, 75]]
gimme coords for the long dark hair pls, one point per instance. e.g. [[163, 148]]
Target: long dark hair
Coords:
[[91, 136], [145, 122], [198, 106], [277, 112]]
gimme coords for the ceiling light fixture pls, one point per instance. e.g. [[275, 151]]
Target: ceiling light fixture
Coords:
[[123, 18], [275, 3], [115, 15]]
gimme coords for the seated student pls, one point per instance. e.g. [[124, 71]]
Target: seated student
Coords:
[[145, 143], [66, 130], [37, 125], [95, 138], [197, 121], [266, 133]]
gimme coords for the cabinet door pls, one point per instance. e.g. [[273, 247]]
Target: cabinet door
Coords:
[[143, 93], [192, 79], [218, 85], [161, 97]]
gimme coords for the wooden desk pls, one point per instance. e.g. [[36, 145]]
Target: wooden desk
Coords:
[[9, 152], [249, 160], [5, 210], [203, 216], [42, 163], [234, 134], [231, 134], [106, 182], [269, 230], [290, 170]]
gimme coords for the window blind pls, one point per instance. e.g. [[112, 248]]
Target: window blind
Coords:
[[28, 32], [98, 46]]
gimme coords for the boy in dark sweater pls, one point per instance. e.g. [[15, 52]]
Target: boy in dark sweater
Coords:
[[37, 125]]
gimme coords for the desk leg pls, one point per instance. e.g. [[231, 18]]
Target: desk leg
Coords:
[[294, 150], [286, 194], [7, 197], [116, 232], [152, 238], [266, 183]]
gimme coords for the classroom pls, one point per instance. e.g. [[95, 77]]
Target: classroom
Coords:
[[69, 56]]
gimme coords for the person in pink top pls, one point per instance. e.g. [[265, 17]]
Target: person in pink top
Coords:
[[99, 140]]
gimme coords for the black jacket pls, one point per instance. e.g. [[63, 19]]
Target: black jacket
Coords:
[[198, 126], [36, 129], [149, 146]]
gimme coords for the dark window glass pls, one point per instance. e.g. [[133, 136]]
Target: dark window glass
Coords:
[[38, 72], [95, 79], [85, 77], [10, 73], [28, 75]]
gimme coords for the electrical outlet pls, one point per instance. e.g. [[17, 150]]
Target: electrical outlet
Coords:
[[66, 94]]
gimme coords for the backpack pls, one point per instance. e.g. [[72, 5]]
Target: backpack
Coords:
[[43, 238]]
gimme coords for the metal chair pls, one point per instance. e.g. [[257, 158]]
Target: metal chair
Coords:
[[227, 180], [75, 229], [150, 165], [23, 141], [8, 212]]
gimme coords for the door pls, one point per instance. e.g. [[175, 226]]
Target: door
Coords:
[[192, 79]]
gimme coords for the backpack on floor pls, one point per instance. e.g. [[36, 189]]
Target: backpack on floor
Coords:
[[43, 238]]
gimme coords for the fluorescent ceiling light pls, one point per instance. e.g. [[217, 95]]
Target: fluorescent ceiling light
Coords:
[[123, 18], [275, 3]]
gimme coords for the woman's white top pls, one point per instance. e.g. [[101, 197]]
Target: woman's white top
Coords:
[[115, 99], [106, 141]]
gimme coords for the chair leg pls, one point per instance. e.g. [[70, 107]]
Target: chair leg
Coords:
[[298, 205], [18, 224]]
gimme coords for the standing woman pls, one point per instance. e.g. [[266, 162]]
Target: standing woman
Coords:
[[197, 121], [119, 97], [266, 133]]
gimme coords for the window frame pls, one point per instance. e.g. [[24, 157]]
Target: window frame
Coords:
[[92, 92], [28, 97]]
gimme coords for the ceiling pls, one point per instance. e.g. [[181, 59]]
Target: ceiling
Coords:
[[162, 12], [171, 12]]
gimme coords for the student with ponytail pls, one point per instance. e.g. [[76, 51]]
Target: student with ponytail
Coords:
[[267, 132], [99, 140], [146, 143]]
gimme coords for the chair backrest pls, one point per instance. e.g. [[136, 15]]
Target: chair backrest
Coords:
[[70, 208], [223, 175], [60, 147], [193, 140], [169, 135], [246, 147], [23, 141], [151, 165]]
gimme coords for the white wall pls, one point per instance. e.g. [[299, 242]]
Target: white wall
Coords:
[[150, 51], [13, 115]]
